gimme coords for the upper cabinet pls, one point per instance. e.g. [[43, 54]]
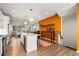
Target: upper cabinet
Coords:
[[4, 21], [1, 20], [1, 23]]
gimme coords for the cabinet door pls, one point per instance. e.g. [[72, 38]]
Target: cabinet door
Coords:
[[1, 24], [0, 46]]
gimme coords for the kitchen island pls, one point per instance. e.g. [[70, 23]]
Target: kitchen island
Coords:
[[29, 41]]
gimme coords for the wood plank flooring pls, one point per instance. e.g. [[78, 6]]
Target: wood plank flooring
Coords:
[[16, 49]]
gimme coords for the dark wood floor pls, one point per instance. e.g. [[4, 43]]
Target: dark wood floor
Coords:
[[16, 49]]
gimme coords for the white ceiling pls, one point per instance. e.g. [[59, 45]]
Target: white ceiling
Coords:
[[39, 10]]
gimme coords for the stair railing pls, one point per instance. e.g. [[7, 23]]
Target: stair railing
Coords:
[[59, 37]]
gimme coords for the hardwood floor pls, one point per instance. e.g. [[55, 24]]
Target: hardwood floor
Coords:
[[16, 49]]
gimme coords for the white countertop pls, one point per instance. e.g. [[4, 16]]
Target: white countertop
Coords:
[[29, 34]]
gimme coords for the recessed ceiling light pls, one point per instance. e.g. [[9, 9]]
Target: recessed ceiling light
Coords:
[[25, 22], [13, 10], [46, 12], [31, 19]]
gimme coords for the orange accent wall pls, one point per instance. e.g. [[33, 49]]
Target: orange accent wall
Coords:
[[56, 20], [51, 20], [77, 26]]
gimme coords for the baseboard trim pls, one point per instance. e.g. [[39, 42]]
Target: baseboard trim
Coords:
[[70, 48]]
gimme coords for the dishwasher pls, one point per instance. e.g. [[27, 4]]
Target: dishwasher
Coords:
[[4, 44]]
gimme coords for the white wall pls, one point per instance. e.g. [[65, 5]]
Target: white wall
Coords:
[[35, 27], [32, 27], [28, 27], [69, 32]]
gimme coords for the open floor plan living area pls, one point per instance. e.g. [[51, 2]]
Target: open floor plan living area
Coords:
[[39, 29]]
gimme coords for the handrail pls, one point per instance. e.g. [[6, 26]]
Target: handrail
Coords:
[[59, 37], [59, 34]]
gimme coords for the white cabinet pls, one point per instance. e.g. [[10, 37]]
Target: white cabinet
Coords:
[[0, 46], [1, 20], [4, 21], [30, 43], [1, 23]]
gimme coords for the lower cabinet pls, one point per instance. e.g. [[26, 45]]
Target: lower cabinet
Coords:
[[29, 42], [0, 46], [4, 44]]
